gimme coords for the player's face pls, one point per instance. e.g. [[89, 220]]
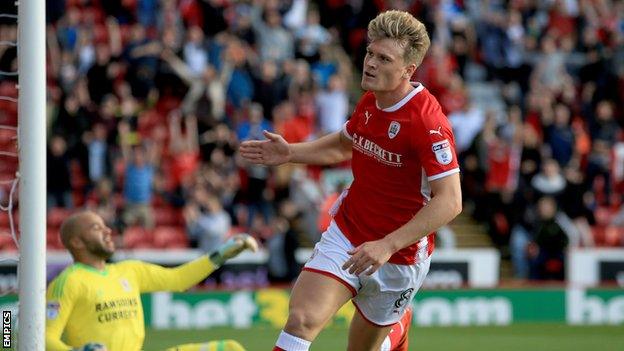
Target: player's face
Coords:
[[384, 67], [97, 237]]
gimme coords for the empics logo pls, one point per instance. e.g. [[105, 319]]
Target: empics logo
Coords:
[[6, 329]]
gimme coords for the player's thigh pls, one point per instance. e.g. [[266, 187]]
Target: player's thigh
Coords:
[[364, 336], [315, 298]]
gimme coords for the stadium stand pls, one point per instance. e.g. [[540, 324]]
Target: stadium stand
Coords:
[[534, 89]]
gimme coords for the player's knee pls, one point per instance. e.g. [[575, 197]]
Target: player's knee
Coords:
[[302, 323]]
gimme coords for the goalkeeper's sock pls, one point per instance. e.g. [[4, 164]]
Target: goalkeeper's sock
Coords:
[[287, 342], [221, 345]]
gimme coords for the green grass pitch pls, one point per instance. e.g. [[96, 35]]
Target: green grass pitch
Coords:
[[519, 337]]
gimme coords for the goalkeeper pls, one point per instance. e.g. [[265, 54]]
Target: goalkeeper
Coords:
[[97, 306]]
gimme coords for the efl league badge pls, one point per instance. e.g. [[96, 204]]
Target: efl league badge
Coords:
[[393, 130], [443, 152], [52, 309]]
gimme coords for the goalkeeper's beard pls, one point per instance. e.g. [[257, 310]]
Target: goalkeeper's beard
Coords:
[[100, 251]]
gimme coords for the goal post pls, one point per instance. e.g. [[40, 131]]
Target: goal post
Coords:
[[32, 172]]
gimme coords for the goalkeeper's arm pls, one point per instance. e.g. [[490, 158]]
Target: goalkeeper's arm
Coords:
[[152, 277], [232, 247]]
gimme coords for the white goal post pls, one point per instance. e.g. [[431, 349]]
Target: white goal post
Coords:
[[32, 171]]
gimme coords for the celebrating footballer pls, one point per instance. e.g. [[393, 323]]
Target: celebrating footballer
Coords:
[[377, 250]]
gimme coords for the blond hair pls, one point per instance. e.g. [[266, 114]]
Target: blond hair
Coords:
[[403, 27]]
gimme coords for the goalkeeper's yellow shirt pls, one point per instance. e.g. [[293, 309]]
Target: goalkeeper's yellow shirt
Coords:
[[86, 305]]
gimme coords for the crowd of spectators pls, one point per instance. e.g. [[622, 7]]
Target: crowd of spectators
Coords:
[[148, 100]]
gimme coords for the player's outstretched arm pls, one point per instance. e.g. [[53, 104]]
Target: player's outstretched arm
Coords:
[[153, 277], [330, 149], [273, 151], [232, 247]]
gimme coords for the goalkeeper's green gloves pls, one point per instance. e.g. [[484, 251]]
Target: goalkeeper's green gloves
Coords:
[[232, 247], [92, 346]]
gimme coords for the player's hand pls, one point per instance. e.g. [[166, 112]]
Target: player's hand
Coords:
[[232, 247], [368, 257], [92, 346], [271, 152]]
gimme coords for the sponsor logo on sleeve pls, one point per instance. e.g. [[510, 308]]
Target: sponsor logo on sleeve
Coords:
[[52, 309], [442, 151]]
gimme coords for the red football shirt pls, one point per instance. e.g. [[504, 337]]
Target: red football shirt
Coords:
[[397, 151]]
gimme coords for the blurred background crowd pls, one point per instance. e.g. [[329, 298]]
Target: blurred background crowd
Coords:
[[149, 99]]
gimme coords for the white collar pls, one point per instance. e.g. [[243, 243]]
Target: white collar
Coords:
[[418, 88]]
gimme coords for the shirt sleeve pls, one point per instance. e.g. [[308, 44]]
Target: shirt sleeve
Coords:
[[60, 300], [435, 145], [152, 277]]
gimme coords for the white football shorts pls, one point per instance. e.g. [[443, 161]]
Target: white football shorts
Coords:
[[381, 298]]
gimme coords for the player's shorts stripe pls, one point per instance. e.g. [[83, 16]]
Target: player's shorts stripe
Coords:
[[368, 320], [333, 276]]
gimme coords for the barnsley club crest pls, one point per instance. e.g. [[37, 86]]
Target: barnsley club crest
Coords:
[[125, 284], [393, 130]]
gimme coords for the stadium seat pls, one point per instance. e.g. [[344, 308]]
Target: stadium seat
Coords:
[[170, 237], [8, 88], [148, 120], [4, 218], [614, 236], [78, 179], [6, 242], [235, 230], [137, 237], [599, 234], [53, 239], [8, 140], [56, 216], [167, 216], [8, 164], [78, 198], [167, 103]]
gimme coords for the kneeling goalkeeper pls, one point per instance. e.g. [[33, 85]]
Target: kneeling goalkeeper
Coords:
[[93, 305]]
